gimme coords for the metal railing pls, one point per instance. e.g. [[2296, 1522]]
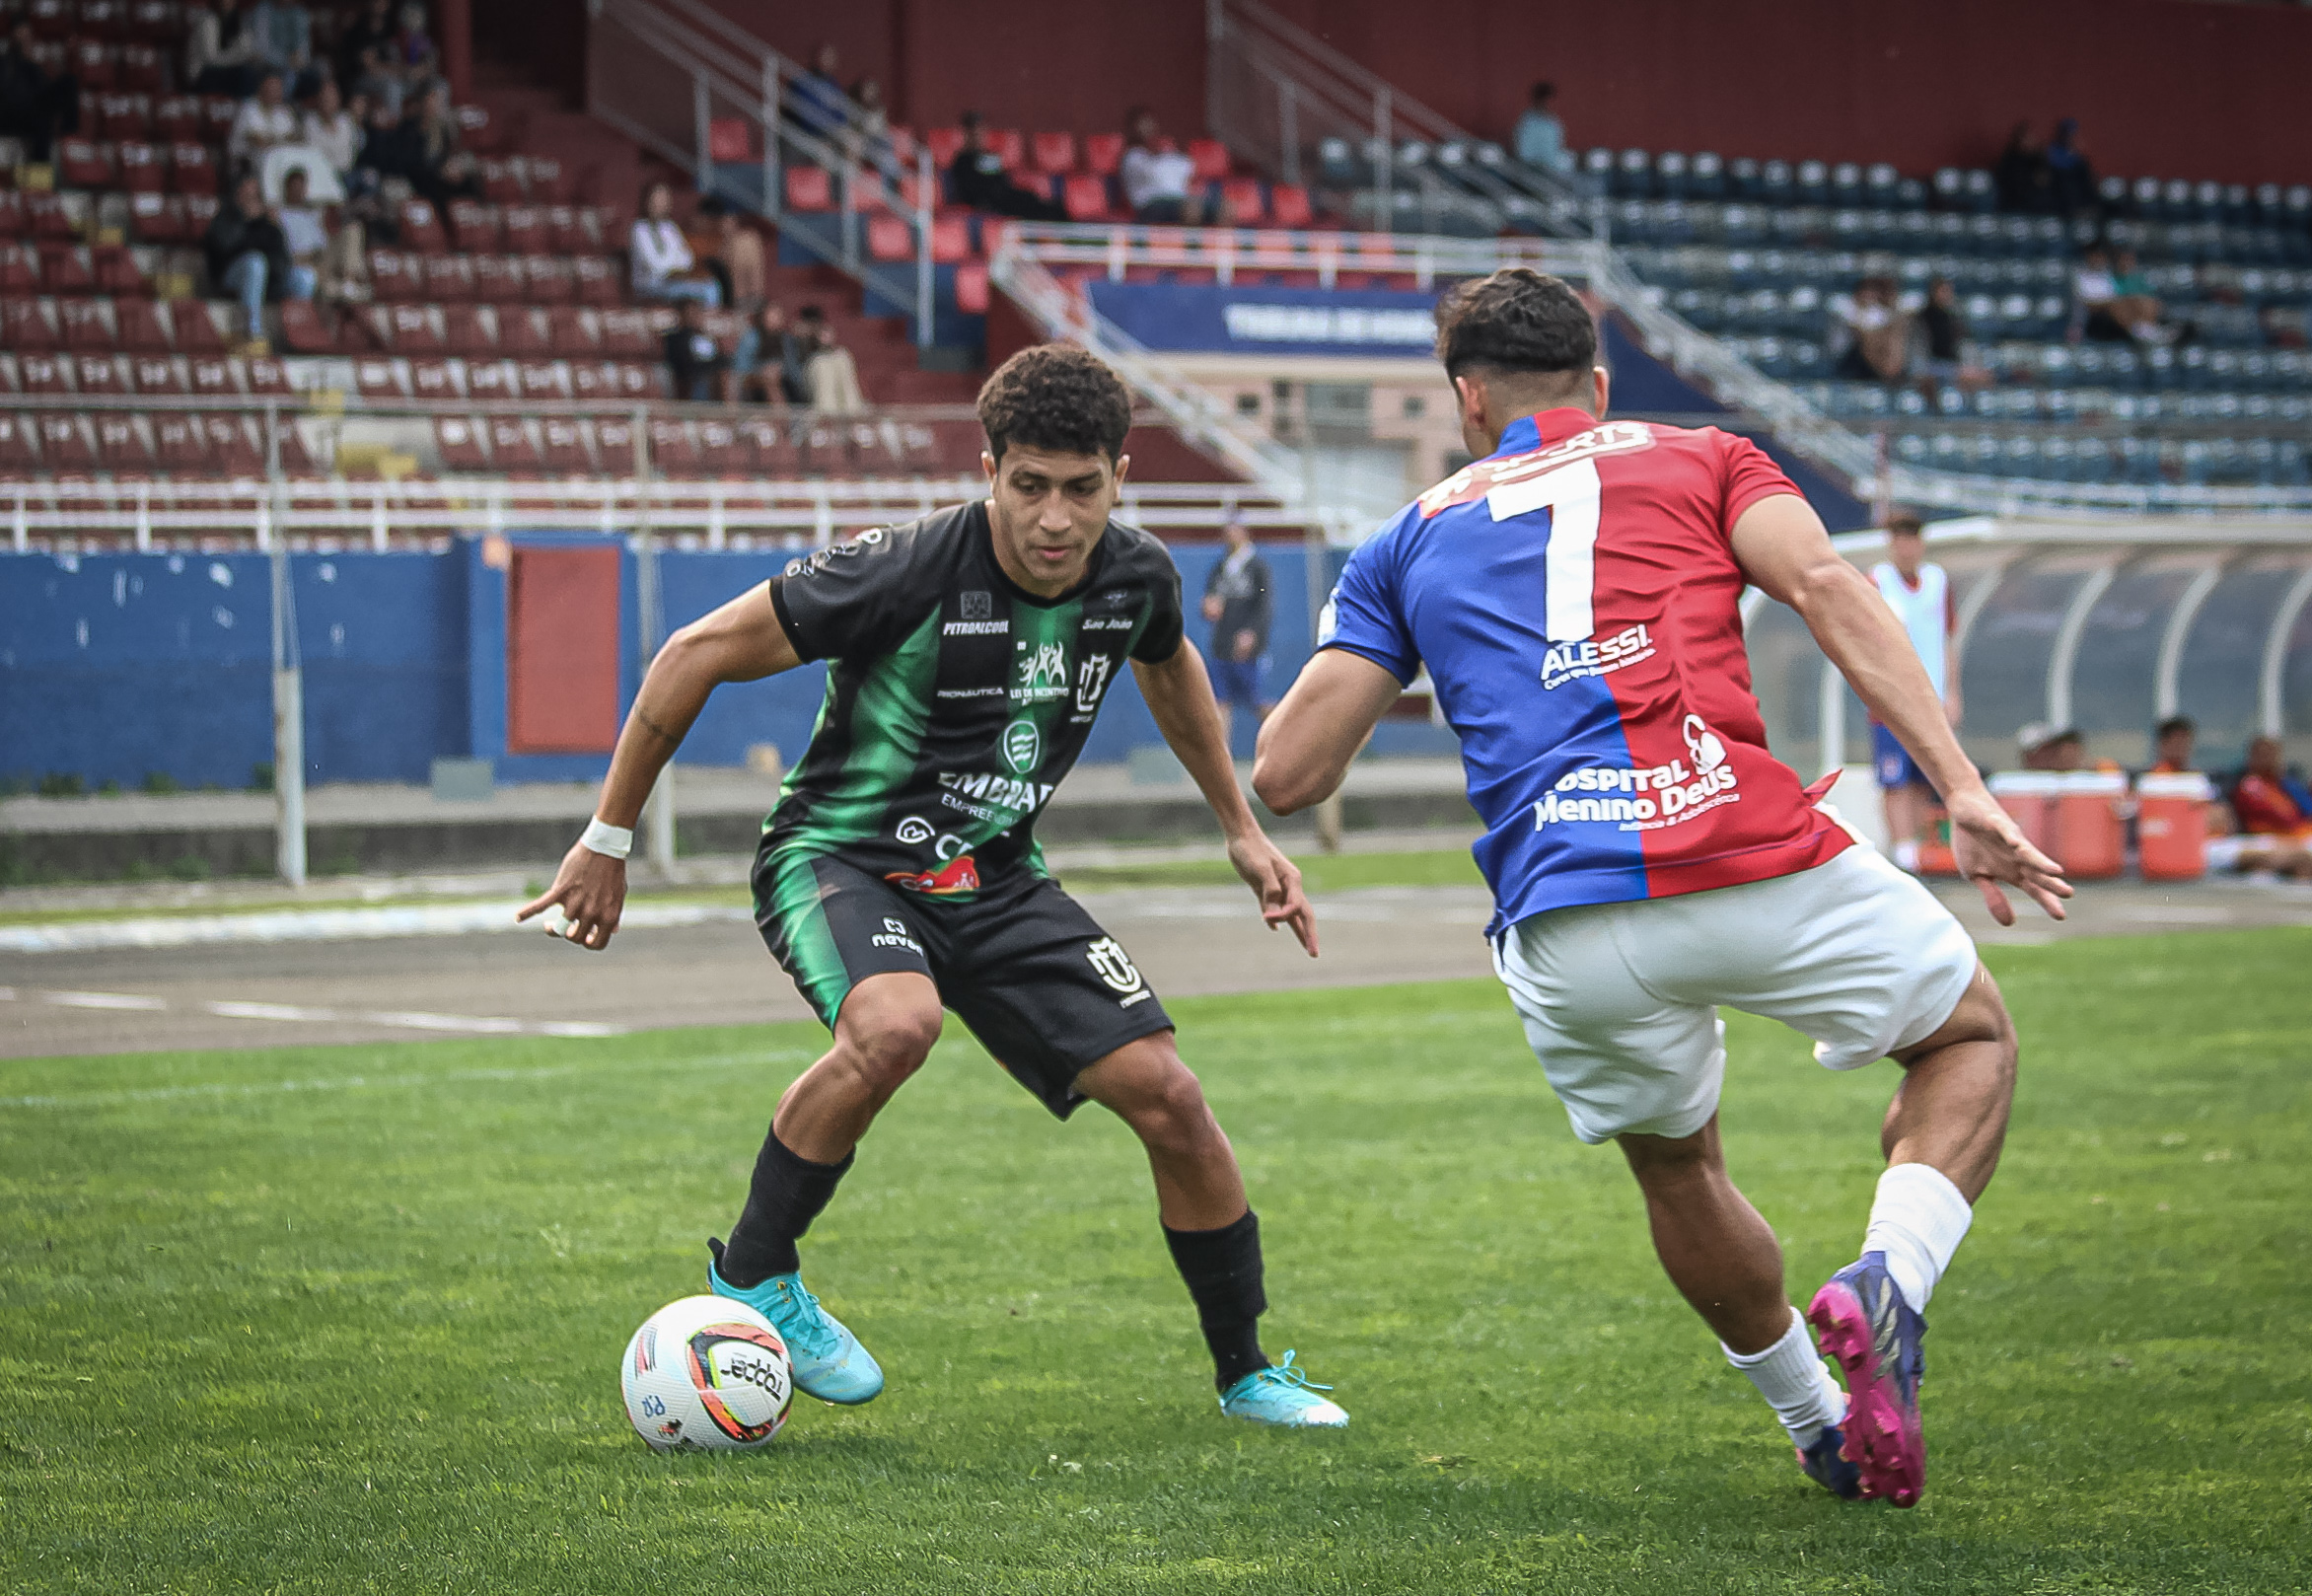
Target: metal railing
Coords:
[[1275, 92], [675, 76]]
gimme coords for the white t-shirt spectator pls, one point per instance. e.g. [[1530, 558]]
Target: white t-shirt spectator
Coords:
[[302, 227], [257, 129], [338, 140], [1153, 175], [2095, 285], [660, 252]]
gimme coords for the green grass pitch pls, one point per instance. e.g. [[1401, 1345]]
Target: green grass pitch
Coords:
[[347, 1320]]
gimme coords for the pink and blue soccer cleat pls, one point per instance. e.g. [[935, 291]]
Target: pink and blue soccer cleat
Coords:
[[1861, 1322], [1827, 1465]]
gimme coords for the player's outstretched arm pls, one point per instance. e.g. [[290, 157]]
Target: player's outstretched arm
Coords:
[[1179, 696], [1782, 546], [1308, 739], [742, 641]]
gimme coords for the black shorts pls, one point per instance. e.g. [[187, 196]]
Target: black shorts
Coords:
[[1046, 991]]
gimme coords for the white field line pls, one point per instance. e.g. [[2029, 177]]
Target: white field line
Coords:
[[403, 1019], [323, 925], [351, 1083]]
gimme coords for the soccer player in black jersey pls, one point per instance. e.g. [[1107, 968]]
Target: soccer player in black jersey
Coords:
[[967, 653]]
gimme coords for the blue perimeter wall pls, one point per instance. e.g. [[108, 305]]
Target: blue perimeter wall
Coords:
[[116, 666]]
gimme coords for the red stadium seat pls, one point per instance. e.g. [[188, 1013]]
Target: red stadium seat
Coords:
[[889, 238], [522, 332], [67, 445], [125, 116], [810, 189], [542, 379], [141, 69], [433, 382], [501, 183], [614, 444], [27, 324], [43, 374], [598, 282], [478, 131], [411, 328], [262, 375], [627, 333], [1288, 205], [972, 288], [100, 377], [950, 239], [117, 273], [19, 269], [569, 333], [176, 119], [67, 269], [11, 219], [217, 112], [467, 331], [570, 230], [564, 447], [450, 278], [122, 444], [475, 223], [45, 217], [94, 64], [460, 445], [156, 218], [498, 279], [377, 378], [546, 182], [157, 374], [303, 330], [421, 228], [190, 170], [671, 450], [233, 445], [1103, 154], [551, 279], [86, 324], [15, 445], [510, 449], [1009, 146], [490, 381], [184, 443], [1211, 157], [1053, 151], [1086, 198], [522, 227], [1241, 198], [83, 163], [720, 453], [944, 143], [140, 168], [592, 380], [730, 138], [770, 451], [394, 275], [212, 377]]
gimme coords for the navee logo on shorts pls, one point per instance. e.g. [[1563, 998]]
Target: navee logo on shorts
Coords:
[[1596, 656], [1116, 972], [894, 935], [1661, 795]]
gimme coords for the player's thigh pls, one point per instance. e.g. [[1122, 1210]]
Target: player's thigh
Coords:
[[832, 926], [1146, 1085], [1854, 953], [1046, 990], [1621, 1060]]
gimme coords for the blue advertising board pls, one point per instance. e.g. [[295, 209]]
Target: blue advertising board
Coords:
[[1271, 320]]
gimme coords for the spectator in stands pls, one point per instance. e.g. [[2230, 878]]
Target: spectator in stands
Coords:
[[388, 153], [2070, 178], [737, 264], [247, 257], [445, 169], [1159, 181], [664, 268], [868, 138], [222, 53], [1540, 137], [977, 179], [2135, 304], [36, 106], [1941, 332], [284, 42], [771, 366], [373, 27], [1877, 330], [265, 120], [2275, 822], [695, 362], [332, 129], [376, 80], [334, 256], [2021, 174], [2171, 744], [814, 101], [1239, 607], [828, 369], [2116, 306], [413, 48]]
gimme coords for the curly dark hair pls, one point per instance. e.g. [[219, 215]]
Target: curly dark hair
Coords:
[[1518, 320], [1056, 397]]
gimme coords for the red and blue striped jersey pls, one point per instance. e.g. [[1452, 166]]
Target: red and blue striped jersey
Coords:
[[1577, 599]]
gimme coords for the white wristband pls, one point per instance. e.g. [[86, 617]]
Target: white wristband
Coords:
[[610, 842]]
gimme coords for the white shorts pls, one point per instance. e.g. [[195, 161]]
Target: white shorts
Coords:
[[1620, 1000]]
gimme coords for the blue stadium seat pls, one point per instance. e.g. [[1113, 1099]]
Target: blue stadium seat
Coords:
[[1742, 179], [1910, 404], [1743, 225], [1670, 175], [2091, 460], [2239, 210], [1597, 167], [1881, 186], [1775, 184], [1911, 194], [1950, 187], [1847, 184], [2058, 460], [2113, 193], [1982, 193], [2124, 366], [2059, 405], [1813, 183], [2207, 201], [1632, 175], [2175, 201], [2196, 462], [2269, 209], [2192, 367], [1947, 453], [2139, 461], [1706, 175], [1912, 450], [2019, 456], [1983, 455]]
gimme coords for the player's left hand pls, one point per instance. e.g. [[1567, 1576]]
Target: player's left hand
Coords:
[[1276, 881]]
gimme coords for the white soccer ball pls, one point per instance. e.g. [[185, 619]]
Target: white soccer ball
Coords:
[[706, 1373]]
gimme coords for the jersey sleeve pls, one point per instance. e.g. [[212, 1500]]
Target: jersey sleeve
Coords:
[[852, 599], [1747, 474], [1160, 638], [1366, 616]]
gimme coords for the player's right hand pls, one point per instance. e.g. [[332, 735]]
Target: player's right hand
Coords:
[[590, 889], [1991, 848]]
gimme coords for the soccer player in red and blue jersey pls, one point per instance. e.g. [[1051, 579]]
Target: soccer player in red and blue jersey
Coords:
[[1573, 593]]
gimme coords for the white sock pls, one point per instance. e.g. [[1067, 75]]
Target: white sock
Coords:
[[1796, 1383], [1917, 1219], [1906, 854]]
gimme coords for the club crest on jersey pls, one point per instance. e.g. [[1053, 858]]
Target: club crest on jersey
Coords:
[[1474, 482], [958, 875], [1043, 674], [1646, 800], [1022, 746], [1091, 682], [1596, 656]]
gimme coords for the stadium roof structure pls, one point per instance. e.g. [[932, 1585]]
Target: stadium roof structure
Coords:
[[2106, 627]]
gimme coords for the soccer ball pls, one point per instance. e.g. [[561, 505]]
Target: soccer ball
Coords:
[[706, 1373]]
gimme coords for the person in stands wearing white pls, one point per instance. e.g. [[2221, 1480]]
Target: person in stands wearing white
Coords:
[[1158, 181], [1920, 593], [827, 367], [265, 121], [329, 127], [664, 268]]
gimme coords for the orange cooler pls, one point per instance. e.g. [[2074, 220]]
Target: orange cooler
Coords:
[[2030, 796], [2090, 830], [2170, 825]]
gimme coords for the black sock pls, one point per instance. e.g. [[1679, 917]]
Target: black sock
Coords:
[[1223, 1269], [785, 1197]]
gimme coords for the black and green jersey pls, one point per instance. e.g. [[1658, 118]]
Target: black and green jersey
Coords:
[[956, 701]]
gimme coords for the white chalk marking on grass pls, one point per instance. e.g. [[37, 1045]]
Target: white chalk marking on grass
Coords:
[[7, 994], [493, 1025], [348, 1083], [268, 1011], [323, 925], [131, 1000]]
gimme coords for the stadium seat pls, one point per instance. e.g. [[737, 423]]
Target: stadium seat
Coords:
[[1053, 151], [1085, 199], [544, 183], [672, 451], [889, 238], [542, 379], [944, 143], [140, 168], [1010, 147], [1210, 158], [16, 447], [83, 163], [972, 288], [458, 443], [474, 224], [596, 283], [1103, 154], [626, 335], [190, 170], [158, 374], [450, 279], [67, 445], [500, 183], [720, 451], [1288, 205], [303, 330], [84, 324], [421, 228], [1245, 205], [498, 279], [551, 281], [467, 333], [563, 447], [522, 229], [809, 189], [182, 444], [42, 372], [490, 380], [512, 450]]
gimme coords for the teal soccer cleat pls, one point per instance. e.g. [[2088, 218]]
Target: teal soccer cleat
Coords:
[[828, 1359], [1284, 1395]]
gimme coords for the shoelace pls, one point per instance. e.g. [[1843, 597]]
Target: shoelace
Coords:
[[810, 1333], [1288, 1375]]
